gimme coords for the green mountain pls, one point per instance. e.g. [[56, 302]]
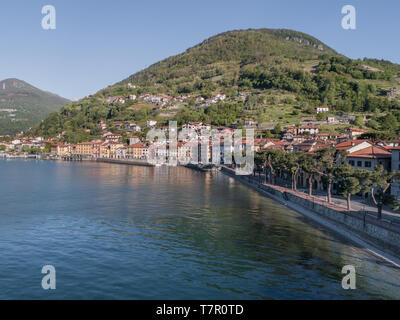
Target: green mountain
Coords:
[[271, 76], [23, 106], [224, 56]]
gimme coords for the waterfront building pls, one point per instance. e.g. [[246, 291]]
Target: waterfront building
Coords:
[[136, 151], [370, 157], [114, 146], [353, 145], [104, 150], [85, 148], [60, 149]]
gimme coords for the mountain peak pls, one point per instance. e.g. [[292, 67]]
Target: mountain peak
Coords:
[[275, 34], [23, 105], [12, 83]]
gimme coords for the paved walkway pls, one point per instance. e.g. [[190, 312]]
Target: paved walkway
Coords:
[[358, 204], [338, 203]]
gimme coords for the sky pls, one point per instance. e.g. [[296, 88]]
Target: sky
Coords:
[[98, 43]]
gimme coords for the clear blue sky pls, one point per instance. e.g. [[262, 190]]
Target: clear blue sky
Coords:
[[98, 43]]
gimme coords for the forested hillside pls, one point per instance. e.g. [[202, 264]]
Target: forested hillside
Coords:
[[23, 106], [267, 75]]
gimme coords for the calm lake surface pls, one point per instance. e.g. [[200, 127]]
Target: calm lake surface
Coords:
[[124, 232]]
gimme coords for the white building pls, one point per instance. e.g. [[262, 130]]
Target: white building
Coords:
[[134, 140], [151, 123], [322, 109], [309, 130]]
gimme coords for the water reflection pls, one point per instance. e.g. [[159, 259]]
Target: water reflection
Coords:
[[141, 233]]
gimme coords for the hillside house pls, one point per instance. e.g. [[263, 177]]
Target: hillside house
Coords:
[[354, 133], [311, 130], [322, 109], [151, 123]]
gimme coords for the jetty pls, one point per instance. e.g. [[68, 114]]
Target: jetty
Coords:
[[132, 162]]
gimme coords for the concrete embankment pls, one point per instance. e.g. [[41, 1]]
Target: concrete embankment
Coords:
[[379, 236], [142, 163], [201, 168]]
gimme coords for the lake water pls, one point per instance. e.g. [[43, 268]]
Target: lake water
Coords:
[[124, 232]]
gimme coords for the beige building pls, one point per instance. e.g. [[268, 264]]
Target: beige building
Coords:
[[87, 148], [60, 149], [135, 151], [104, 150], [114, 149]]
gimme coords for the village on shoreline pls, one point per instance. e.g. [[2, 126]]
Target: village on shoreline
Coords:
[[126, 140], [200, 148], [308, 138]]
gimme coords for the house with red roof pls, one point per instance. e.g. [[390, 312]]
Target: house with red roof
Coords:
[[354, 133], [370, 157], [353, 145]]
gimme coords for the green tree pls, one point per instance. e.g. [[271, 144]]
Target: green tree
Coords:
[[272, 160], [278, 129], [381, 181], [348, 183], [321, 116], [359, 121], [310, 165], [294, 163], [327, 160]]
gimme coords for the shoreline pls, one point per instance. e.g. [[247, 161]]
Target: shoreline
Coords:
[[331, 225]]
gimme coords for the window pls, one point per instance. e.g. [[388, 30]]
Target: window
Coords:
[[359, 163], [368, 164], [351, 162]]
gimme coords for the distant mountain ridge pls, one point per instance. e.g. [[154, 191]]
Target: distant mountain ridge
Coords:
[[23, 106]]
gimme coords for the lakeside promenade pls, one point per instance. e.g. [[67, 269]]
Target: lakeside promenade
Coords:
[[382, 237], [338, 202]]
